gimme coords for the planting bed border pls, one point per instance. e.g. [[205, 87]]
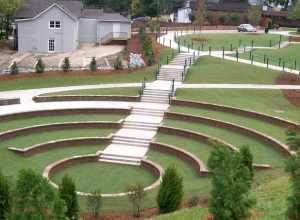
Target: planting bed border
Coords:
[[64, 98], [71, 161], [13, 101]]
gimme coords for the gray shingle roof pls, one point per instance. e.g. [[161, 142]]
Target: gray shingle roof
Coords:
[[222, 6]]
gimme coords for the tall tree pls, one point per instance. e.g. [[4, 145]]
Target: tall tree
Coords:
[[152, 8], [296, 11], [201, 15], [136, 10], [254, 14], [174, 5], [5, 198]]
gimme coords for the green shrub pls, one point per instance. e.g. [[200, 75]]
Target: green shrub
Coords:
[[5, 197], [14, 70], [222, 18], [230, 197], [194, 200], [150, 60], [40, 66], [136, 197], [93, 64], [142, 33], [157, 28], [66, 65], [152, 25], [94, 204], [170, 193], [248, 160], [147, 44], [67, 192], [209, 16], [271, 24], [235, 18], [118, 64]]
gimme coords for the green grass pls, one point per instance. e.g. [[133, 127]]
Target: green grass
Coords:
[[33, 139], [110, 178], [128, 91], [217, 41], [216, 70], [289, 55], [21, 123], [260, 100], [288, 29], [75, 80]]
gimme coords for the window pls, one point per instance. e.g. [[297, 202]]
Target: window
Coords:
[[54, 24], [51, 45]]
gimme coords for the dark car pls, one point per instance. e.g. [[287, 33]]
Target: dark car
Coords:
[[246, 28], [141, 19]]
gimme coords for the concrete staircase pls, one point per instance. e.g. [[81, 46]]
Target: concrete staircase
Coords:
[[167, 74], [179, 60], [154, 95], [147, 112], [140, 125]]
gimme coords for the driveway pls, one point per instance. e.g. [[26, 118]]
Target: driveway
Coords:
[[105, 56]]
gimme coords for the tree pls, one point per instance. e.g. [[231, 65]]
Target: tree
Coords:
[[292, 166], [94, 203], [118, 64], [209, 16], [174, 5], [40, 66], [222, 18], [36, 198], [254, 14], [230, 197], [152, 8], [248, 160], [192, 16], [136, 9], [150, 60], [5, 197], [235, 18], [136, 195], [170, 193], [152, 26], [93, 64], [14, 70], [296, 11], [67, 192], [66, 64], [201, 15]]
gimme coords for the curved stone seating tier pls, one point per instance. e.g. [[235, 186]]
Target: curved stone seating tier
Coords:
[[72, 142], [242, 112], [71, 161], [64, 98], [59, 126], [13, 101], [59, 112], [277, 145]]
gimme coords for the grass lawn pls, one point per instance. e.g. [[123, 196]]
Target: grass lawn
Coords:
[[289, 55], [75, 80], [218, 41], [216, 70], [260, 100], [288, 29], [110, 178], [129, 91]]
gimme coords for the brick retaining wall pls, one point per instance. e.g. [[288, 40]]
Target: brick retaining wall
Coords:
[[13, 101]]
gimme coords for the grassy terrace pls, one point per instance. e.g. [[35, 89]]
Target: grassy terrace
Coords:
[[129, 91], [260, 100], [217, 41], [216, 70]]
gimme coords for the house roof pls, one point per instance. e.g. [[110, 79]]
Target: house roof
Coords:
[[221, 6], [276, 13], [100, 15]]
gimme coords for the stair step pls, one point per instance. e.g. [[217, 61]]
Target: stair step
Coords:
[[133, 143], [149, 113], [130, 138], [140, 124], [120, 162], [148, 109], [120, 156], [153, 101], [155, 98]]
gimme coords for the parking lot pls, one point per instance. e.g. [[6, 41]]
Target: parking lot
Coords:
[[105, 56]]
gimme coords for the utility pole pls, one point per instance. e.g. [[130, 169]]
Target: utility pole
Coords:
[[157, 10]]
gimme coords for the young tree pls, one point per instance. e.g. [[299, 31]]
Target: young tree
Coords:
[[118, 64], [152, 25], [36, 198], [93, 64], [94, 204], [248, 160], [67, 192], [14, 70], [292, 166], [222, 18], [136, 195], [235, 18], [170, 193], [66, 64], [201, 15], [5, 198], [152, 8], [136, 9], [40, 66], [296, 11], [254, 14], [150, 60], [192, 16], [209, 16], [230, 189]]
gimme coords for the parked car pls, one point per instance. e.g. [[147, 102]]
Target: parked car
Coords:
[[246, 28], [141, 19]]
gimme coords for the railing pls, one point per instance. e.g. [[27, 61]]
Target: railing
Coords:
[[143, 88], [171, 90], [170, 57], [112, 36], [159, 66]]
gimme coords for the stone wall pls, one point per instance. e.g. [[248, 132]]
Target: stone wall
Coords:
[[13, 101]]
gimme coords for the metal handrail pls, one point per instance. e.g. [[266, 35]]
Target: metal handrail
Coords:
[[113, 35], [171, 90], [141, 93]]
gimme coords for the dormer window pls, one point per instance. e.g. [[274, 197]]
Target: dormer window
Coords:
[[54, 25]]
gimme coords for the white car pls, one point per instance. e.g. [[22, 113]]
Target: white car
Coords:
[[246, 28]]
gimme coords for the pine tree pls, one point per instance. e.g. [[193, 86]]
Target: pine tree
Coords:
[[14, 70], [5, 198], [118, 64], [170, 193], [67, 192], [248, 159], [230, 197], [40, 66], [93, 64], [150, 58], [66, 65], [292, 166]]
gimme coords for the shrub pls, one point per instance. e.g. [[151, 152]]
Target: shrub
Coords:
[[170, 193], [66, 65], [14, 70], [248, 160], [235, 18], [292, 166], [40, 66], [94, 204], [150, 60], [194, 200], [222, 18], [271, 24], [67, 192], [118, 64], [136, 196], [209, 16], [192, 16], [93, 64], [5, 198], [230, 189], [147, 44], [142, 33], [157, 28], [152, 25]]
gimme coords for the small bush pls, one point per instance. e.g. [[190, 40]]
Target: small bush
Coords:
[[5, 198], [194, 200], [248, 160], [66, 65], [136, 197], [40, 66], [14, 70], [157, 28], [152, 25], [94, 204], [142, 33], [235, 18], [150, 60], [222, 18], [93, 64], [118, 64]]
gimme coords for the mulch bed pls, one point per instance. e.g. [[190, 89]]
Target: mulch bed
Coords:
[[200, 39], [292, 95]]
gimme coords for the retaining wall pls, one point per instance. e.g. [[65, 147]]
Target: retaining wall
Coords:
[[13, 101]]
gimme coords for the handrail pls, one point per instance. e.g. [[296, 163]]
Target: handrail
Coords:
[[159, 66], [171, 90], [141, 93], [113, 35]]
